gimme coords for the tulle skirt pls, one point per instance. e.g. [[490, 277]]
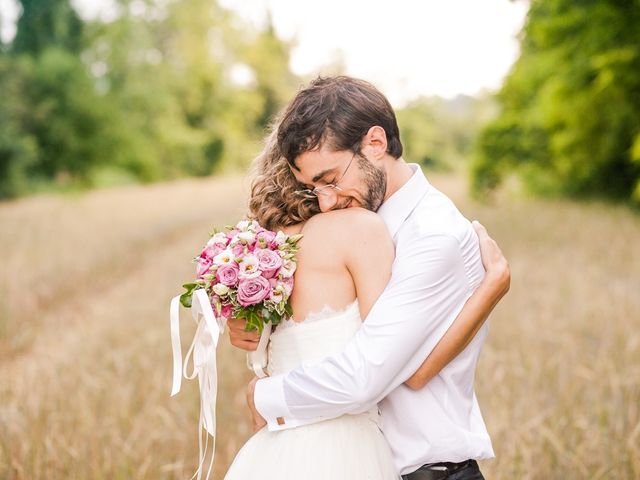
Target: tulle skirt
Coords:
[[350, 447]]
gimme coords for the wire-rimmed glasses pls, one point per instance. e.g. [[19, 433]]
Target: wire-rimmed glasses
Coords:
[[329, 188]]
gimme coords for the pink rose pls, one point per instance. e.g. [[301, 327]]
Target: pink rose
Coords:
[[238, 250], [203, 266], [226, 310], [265, 239], [268, 261], [227, 274], [211, 251], [253, 290], [220, 239]]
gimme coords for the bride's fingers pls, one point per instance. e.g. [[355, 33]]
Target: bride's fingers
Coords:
[[244, 341], [245, 344], [237, 329], [242, 335], [493, 260], [489, 249], [240, 338]]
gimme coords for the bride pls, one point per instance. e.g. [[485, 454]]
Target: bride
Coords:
[[344, 264]]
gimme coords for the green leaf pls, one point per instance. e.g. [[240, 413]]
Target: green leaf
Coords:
[[185, 299]]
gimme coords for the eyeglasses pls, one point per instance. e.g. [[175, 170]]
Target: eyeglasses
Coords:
[[329, 188]]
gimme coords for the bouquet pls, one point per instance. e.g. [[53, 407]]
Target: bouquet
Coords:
[[243, 272], [246, 272]]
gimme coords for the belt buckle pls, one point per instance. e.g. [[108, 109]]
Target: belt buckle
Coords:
[[429, 472], [440, 471]]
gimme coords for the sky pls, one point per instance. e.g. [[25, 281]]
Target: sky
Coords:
[[412, 48]]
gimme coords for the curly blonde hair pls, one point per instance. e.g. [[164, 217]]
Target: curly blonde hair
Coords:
[[276, 201]]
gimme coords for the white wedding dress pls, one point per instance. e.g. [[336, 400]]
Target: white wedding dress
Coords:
[[349, 447]]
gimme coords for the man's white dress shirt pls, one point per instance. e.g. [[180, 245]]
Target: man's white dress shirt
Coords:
[[436, 269]]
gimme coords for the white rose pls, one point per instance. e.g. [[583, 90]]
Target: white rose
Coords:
[[246, 237]]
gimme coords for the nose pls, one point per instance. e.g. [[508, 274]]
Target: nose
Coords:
[[327, 202]]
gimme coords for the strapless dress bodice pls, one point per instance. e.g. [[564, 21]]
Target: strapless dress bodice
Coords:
[[321, 334]]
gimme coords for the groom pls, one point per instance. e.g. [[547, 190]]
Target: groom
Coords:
[[342, 141]]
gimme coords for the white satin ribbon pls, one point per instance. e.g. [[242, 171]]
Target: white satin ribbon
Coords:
[[257, 361], [203, 347]]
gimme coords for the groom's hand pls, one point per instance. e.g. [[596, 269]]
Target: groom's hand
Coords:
[[241, 339], [257, 421]]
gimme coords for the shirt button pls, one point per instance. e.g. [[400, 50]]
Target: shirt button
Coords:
[[280, 420]]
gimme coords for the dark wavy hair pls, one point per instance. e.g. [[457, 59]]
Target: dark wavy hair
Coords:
[[338, 110]]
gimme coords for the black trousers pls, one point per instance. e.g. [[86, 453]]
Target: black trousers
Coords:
[[432, 472]]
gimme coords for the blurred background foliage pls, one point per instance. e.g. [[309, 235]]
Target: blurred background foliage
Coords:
[[185, 88], [178, 89], [570, 107]]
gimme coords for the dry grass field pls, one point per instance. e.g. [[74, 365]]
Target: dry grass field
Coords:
[[85, 356]]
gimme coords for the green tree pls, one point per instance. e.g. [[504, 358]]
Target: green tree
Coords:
[[53, 122], [570, 113], [18, 149], [147, 96], [45, 23]]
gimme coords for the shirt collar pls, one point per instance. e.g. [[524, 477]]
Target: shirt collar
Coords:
[[399, 206]]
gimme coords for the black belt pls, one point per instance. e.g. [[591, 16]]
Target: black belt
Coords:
[[438, 471]]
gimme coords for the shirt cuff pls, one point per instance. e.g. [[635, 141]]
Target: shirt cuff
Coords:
[[268, 398]]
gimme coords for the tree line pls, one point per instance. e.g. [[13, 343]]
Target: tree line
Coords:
[[184, 88], [570, 107]]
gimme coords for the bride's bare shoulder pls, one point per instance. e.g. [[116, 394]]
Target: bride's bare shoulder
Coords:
[[347, 222]]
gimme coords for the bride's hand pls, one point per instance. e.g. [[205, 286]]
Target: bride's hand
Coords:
[[257, 421], [495, 264], [239, 337]]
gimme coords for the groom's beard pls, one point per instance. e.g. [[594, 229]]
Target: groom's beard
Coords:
[[375, 180]]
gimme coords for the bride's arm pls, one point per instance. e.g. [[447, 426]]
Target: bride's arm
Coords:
[[476, 310]]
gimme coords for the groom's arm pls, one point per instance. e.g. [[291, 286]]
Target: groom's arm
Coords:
[[428, 288]]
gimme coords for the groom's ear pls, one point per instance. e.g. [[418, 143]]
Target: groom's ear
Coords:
[[374, 143]]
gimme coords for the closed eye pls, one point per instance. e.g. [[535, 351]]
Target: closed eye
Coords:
[[324, 182]]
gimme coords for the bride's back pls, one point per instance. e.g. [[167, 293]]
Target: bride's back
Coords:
[[344, 255]]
